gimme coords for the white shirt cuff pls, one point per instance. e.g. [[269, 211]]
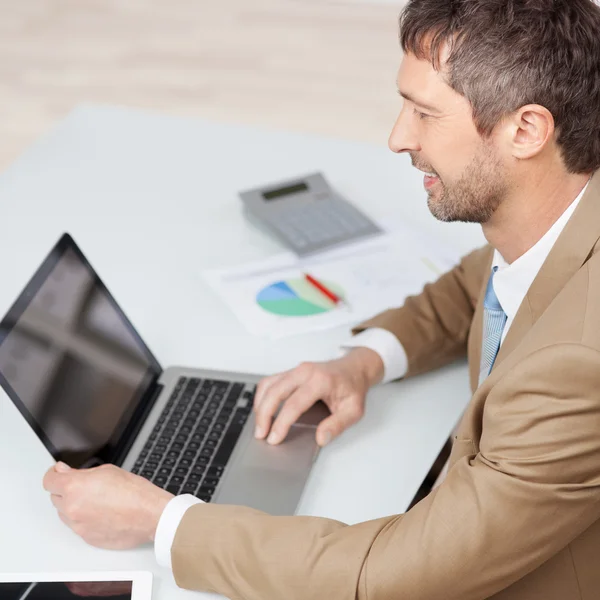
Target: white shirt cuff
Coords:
[[389, 348], [167, 527]]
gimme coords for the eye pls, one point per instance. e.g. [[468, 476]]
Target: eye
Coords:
[[421, 115]]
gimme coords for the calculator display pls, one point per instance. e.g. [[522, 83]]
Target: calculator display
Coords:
[[285, 191]]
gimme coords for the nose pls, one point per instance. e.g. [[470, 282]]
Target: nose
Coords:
[[403, 137]]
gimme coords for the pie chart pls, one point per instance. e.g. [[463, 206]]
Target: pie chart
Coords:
[[296, 298]]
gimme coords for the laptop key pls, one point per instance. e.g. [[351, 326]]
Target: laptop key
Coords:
[[207, 489], [189, 488], [199, 470], [215, 472], [235, 391], [227, 445], [192, 386], [173, 489]]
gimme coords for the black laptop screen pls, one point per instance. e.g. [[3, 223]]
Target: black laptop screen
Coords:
[[72, 362]]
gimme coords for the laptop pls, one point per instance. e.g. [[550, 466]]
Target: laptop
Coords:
[[88, 385]]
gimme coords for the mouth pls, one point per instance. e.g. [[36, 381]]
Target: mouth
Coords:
[[430, 179]]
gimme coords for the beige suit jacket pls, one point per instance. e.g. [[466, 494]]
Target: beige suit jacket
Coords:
[[518, 515]]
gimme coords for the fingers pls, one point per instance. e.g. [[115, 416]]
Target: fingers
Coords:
[[347, 414], [56, 477], [272, 394], [54, 482], [263, 387], [297, 404]]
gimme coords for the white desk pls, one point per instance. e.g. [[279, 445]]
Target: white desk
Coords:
[[152, 200]]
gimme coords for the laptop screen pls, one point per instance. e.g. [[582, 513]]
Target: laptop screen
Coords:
[[72, 362]]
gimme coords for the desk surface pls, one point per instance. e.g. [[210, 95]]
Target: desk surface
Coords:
[[152, 200]]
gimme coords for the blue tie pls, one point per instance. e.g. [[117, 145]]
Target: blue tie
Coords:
[[494, 320]]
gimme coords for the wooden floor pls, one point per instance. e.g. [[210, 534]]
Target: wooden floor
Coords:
[[322, 66]]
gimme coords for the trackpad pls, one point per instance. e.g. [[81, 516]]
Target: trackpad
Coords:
[[271, 478], [296, 452]]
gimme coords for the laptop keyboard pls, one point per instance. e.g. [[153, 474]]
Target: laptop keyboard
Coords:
[[194, 437]]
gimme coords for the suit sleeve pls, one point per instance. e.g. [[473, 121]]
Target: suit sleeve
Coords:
[[434, 326], [533, 486]]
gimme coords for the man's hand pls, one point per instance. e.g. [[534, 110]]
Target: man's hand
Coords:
[[107, 506], [342, 384]]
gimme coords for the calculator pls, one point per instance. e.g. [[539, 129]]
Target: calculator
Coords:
[[307, 215]]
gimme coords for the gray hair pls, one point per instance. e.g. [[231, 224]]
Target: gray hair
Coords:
[[505, 54]]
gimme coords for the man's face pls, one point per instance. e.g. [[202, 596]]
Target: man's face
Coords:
[[466, 178]]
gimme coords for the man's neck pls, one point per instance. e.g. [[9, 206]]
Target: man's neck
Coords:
[[523, 219]]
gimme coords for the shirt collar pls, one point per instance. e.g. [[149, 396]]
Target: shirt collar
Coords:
[[512, 282]]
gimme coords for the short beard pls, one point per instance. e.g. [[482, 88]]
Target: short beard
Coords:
[[476, 195]]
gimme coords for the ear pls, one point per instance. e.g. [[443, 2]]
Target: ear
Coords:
[[530, 130]]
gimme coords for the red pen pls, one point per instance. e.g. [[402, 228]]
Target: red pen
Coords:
[[324, 290]]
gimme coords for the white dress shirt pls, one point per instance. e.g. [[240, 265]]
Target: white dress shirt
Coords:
[[511, 283]]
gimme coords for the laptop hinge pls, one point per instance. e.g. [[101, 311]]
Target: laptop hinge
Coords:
[[136, 423]]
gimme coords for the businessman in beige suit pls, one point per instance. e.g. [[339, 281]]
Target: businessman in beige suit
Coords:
[[502, 110]]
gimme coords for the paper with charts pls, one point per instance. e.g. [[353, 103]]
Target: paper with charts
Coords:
[[272, 298]]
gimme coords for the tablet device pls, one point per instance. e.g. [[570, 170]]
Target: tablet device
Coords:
[[117, 585]]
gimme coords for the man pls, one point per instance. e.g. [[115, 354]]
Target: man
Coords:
[[502, 111]]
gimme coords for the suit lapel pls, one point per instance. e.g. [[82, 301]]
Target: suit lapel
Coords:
[[476, 333], [569, 253]]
